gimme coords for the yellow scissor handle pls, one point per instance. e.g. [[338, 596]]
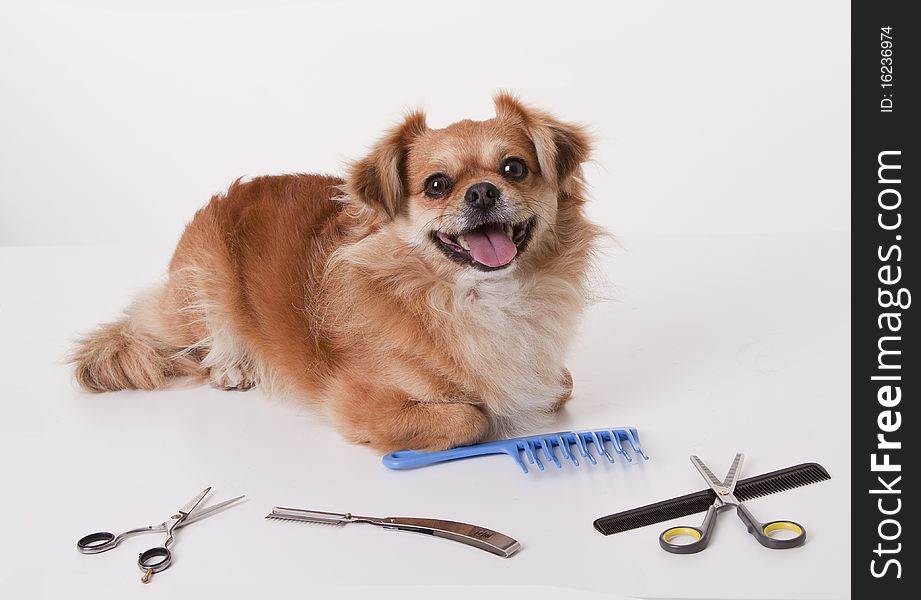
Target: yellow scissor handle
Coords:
[[670, 534], [763, 532], [699, 536], [773, 526]]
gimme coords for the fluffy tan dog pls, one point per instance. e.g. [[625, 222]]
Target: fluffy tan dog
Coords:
[[427, 300]]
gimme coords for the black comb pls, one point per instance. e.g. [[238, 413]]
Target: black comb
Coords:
[[698, 502]]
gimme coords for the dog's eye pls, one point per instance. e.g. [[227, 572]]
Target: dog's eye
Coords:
[[437, 186], [514, 169]]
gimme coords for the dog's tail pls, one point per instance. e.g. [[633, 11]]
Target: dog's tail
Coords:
[[132, 353]]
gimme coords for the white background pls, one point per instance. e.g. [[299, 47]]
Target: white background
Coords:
[[722, 164], [119, 119]]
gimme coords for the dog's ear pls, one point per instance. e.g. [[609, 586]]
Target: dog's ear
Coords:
[[561, 147], [379, 179]]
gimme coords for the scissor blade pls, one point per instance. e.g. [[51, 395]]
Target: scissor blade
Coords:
[[194, 502], [199, 514], [733, 475], [707, 474]]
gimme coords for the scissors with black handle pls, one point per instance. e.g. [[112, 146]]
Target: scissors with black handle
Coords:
[[725, 499], [158, 558]]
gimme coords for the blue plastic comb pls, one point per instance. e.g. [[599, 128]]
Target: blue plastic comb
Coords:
[[531, 445]]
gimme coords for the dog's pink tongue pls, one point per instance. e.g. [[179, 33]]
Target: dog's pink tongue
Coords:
[[490, 246]]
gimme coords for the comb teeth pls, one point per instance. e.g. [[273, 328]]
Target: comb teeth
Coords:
[[698, 502], [782, 480], [567, 442], [309, 516], [654, 513], [328, 523]]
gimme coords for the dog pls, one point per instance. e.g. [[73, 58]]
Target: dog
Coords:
[[426, 300]]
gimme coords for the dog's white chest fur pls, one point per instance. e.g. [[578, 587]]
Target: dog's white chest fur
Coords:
[[512, 336]]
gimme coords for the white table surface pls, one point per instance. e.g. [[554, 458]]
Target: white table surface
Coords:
[[710, 345]]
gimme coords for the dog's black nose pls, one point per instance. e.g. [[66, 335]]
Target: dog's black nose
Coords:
[[482, 195]]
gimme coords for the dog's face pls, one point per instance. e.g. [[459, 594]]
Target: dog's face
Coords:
[[475, 194]]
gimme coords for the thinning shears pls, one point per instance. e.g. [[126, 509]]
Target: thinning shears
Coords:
[[768, 534], [158, 558]]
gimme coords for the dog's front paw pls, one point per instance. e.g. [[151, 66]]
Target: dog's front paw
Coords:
[[237, 377], [446, 425], [389, 419], [431, 426], [417, 425]]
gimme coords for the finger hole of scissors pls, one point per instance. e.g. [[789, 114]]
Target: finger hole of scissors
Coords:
[[782, 530], [96, 542], [682, 536], [155, 559]]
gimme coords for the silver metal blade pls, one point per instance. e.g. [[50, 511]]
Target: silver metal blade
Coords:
[[197, 515], [190, 506], [734, 471], [309, 516], [706, 473], [303, 522]]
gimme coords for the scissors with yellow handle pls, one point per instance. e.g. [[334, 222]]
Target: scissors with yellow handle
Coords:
[[778, 535]]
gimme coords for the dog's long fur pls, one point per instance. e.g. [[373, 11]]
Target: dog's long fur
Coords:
[[334, 290]]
